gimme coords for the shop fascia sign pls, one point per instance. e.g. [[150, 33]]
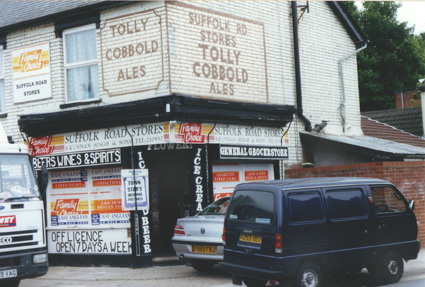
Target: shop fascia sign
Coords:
[[253, 152], [78, 159], [157, 136]]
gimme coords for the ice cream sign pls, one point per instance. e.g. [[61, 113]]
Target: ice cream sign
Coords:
[[31, 73]]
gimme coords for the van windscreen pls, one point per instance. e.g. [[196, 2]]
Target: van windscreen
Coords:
[[252, 206]]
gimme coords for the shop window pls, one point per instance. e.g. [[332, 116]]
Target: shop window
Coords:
[[80, 63], [2, 92]]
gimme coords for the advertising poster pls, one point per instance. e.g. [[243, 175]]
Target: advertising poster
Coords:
[[69, 198], [31, 73], [106, 198], [135, 187], [227, 176]]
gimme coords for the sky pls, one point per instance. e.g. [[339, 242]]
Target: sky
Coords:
[[410, 12]]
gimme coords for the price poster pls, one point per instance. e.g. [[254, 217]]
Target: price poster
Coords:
[[69, 198], [135, 186], [106, 198]]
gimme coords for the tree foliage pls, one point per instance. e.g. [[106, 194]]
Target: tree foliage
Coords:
[[394, 59]]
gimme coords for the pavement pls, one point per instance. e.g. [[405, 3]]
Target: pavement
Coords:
[[169, 271]]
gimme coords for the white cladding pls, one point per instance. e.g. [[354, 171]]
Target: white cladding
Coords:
[[267, 58]]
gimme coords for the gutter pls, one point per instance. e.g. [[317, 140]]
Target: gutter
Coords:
[[300, 113]]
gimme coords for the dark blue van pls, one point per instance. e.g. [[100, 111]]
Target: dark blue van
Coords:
[[306, 228]]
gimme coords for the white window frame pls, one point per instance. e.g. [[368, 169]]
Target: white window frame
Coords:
[[67, 66], [3, 105]]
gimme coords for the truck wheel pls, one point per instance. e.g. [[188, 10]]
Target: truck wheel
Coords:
[[11, 283], [392, 268], [252, 282], [308, 275], [203, 265]]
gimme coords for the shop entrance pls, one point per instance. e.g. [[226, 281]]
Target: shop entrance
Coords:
[[170, 195]]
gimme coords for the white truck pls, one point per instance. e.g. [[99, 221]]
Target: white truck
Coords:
[[23, 252]]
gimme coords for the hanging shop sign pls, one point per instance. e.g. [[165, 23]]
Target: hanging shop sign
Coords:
[[216, 55], [80, 159], [253, 152], [31, 73], [131, 48], [135, 187], [91, 241]]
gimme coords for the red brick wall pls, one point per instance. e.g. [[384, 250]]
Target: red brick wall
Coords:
[[409, 100], [408, 176]]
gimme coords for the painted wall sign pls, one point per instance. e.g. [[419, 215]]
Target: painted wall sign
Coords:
[[80, 159], [227, 176], [253, 152], [131, 48], [135, 187], [93, 241], [216, 55], [31, 73]]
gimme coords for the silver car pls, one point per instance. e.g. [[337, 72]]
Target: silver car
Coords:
[[197, 239]]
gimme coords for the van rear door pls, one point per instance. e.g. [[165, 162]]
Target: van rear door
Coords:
[[250, 228]]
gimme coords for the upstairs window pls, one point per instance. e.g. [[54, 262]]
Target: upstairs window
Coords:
[[2, 92], [80, 63]]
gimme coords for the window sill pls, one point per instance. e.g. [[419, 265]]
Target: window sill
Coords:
[[3, 115], [79, 103]]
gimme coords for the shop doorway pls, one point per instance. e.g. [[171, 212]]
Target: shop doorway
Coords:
[[170, 195]]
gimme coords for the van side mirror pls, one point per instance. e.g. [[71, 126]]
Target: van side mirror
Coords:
[[43, 180], [411, 205]]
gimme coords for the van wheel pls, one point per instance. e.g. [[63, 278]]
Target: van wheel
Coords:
[[203, 265], [308, 275], [392, 268], [252, 282]]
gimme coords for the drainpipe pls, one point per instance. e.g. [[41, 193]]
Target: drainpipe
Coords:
[[422, 89], [300, 114], [344, 106]]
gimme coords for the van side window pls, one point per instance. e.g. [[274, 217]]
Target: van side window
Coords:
[[346, 203], [253, 206], [387, 199], [305, 207]]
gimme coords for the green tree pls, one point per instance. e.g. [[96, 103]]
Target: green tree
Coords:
[[394, 59]]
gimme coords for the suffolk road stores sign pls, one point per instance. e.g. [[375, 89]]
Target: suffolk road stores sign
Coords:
[[31, 73], [131, 48], [216, 55]]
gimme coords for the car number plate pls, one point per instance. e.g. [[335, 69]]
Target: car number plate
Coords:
[[250, 238], [203, 249], [8, 273]]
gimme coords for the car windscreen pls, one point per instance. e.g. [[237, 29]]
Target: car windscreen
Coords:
[[252, 206], [218, 207]]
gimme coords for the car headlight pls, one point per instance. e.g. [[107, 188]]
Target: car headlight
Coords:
[[39, 258]]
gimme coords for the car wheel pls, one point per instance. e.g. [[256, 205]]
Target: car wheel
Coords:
[[392, 268], [11, 283], [203, 265], [308, 275], [252, 282]]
